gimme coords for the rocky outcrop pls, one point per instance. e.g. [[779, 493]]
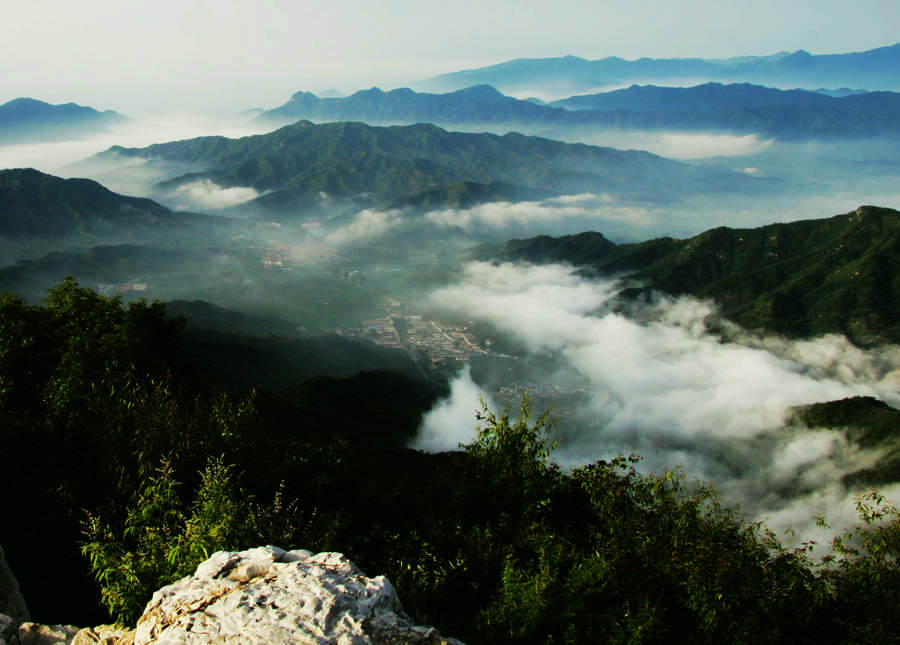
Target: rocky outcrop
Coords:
[[11, 601], [104, 635], [13, 610], [263, 595], [268, 595], [37, 634], [8, 630]]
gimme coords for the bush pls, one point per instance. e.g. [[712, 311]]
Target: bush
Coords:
[[160, 542]]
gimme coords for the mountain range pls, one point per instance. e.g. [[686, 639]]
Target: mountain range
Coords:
[[305, 166], [875, 69], [28, 120], [834, 275], [738, 107]]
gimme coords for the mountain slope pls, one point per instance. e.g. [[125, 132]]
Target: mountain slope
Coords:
[[298, 164], [840, 274], [26, 119], [34, 204]]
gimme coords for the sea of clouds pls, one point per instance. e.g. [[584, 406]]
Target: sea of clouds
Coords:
[[661, 385]]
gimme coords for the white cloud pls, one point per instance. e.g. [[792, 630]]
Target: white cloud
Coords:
[[660, 385], [675, 145], [205, 193], [441, 428], [365, 225], [586, 209], [698, 146]]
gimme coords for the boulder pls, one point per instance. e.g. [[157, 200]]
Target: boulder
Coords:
[[104, 635], [37, 634], [12, 603], [268, 595], [9, 630]]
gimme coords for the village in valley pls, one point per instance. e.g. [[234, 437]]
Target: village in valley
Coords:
[[434, 344]]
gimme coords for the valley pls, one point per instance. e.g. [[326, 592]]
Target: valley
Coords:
[[571, 349]]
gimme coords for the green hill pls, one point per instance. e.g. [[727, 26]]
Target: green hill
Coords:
[[37, 205], [867, 422], [299, 164], [839, 274]]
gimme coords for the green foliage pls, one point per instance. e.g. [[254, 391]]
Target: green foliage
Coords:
[[864, 572], [132, 563], [513, 457], [160, 541], [492, 544]]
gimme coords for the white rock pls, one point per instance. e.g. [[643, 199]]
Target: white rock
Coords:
[[104, 635], [268, 595], [37, 634]]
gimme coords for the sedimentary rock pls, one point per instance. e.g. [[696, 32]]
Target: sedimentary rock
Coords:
[[37, 634], [268, 595], [104, 635]]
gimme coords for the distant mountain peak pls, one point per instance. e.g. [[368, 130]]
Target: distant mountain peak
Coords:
[[875, 68], [481, 92], [27, 119], [302, 95]]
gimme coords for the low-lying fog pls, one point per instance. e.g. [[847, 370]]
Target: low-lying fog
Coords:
[[805, 180], [658, 384], [54, 157]]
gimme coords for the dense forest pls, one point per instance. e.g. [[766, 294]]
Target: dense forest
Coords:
[[130, 462]]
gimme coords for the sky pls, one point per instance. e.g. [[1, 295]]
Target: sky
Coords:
[[225, 56]]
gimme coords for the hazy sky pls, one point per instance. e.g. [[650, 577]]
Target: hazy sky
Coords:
[[230, 55]]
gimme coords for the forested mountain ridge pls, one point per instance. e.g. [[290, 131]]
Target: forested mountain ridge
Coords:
[[37, 205], [840, 274], [740, 108], [297, 164]]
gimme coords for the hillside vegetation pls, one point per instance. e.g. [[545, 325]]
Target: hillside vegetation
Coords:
[[137, 460], [301, 164], [839, 274], [38, 205]]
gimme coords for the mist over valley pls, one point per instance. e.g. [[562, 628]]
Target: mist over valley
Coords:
[[686, 260]]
